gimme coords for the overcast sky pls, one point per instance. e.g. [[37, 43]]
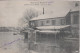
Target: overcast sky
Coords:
[[12, 11]]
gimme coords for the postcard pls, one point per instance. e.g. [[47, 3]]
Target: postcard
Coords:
[[39, 26]]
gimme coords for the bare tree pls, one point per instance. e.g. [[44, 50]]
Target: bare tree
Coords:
[[29, 14]]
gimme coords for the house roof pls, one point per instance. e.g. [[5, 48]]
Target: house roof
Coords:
[[76, 8], [51, 15], [53, 27]]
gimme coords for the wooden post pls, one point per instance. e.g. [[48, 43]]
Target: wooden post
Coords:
[[35, 36]]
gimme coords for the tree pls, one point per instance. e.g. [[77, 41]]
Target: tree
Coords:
[[29, 14]]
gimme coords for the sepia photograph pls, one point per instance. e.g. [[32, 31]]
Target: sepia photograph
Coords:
[[39, 26]]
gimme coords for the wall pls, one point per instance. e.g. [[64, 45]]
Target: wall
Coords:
[[57, 23], [68, 19], [75, 27]]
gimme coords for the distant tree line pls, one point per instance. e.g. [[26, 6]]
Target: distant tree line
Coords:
[[5, 29]]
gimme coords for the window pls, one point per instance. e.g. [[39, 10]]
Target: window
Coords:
[[75, 19], [62, 21], [47, 21], [42, 23], [32, 24], [53, 22], [36, 23]]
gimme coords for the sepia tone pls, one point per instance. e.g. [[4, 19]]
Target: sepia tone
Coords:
[[39, 27]]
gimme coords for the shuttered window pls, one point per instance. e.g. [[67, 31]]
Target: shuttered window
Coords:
[[53, 22], [42, 23], [75, 19], [62, 21]]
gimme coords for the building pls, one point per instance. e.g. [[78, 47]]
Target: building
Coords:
[[72, 19], [50, 28], [47, 28]]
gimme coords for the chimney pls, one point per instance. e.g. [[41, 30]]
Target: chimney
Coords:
[[43, 10]]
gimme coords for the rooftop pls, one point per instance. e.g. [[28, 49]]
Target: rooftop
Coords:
[[51, 15], [75, 9], [57, 14]]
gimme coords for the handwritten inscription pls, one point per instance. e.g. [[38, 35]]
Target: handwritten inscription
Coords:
[[40, 3], [6, 44]]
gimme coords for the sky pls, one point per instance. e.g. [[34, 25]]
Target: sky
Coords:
[[12, 11]]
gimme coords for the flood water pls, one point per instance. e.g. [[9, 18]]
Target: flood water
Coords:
[[10, 42], [14, 43]]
